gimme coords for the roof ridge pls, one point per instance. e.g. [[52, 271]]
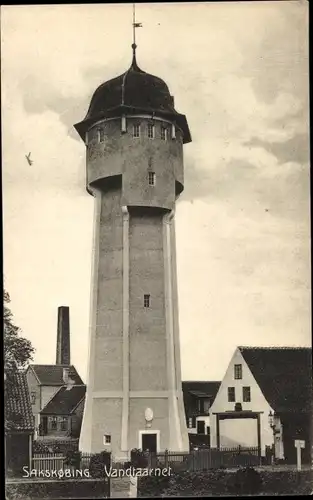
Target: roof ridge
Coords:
[[203, 381], [275, 347]]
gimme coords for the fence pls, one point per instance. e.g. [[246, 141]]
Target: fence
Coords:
[[197, 460], [205, 459], [49, 462], [57, 462]]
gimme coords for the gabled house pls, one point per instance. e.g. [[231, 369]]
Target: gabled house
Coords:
[[19, 423], [44, 381], [265, 399], [62, 415], [198, 398]]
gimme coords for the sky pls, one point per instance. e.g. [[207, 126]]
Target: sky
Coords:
[[239, 72]]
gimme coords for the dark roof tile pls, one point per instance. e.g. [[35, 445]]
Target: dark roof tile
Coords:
[[201, 388], [284, 375], [18, 408], [64, 401], [53, 374]]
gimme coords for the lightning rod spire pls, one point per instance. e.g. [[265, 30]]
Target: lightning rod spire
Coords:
[[135, 25]]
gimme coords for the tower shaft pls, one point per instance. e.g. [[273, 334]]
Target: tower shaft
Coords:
[[135, 173]]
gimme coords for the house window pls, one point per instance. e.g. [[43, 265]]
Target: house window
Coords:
[[246, 394], [150, 131], [163, 133], [53, 423], [136, 131], [63, 423], [200, 405], [231, 394], [101, 135], [238, 372], [146, 300], [33, 398], [191, 422], [151, 178], [200, 427], [106, 439], [206, 405]]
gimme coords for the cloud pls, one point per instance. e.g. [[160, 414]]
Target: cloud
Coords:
[[239, 71]]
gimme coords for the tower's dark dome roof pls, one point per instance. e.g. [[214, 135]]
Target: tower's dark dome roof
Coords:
[[133, 91]]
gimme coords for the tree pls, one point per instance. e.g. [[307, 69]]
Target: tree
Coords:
[[17, 350]]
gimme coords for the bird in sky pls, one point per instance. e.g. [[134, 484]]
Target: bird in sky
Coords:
[[30, 162]]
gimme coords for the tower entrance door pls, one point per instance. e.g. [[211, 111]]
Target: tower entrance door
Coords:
[[149, 442]]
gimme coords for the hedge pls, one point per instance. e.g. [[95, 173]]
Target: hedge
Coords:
[[219, 483], [51, 490]]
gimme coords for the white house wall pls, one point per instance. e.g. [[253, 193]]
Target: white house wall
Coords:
[[240, 431]]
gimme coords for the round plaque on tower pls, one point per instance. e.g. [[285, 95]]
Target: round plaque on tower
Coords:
[[148, 417]]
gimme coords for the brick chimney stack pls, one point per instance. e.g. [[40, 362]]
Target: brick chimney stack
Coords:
[[63, 354]]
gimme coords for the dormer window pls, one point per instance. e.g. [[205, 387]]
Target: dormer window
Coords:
[[136, 131], [150, 131], [151, 178], [100, 135], [163, 133]]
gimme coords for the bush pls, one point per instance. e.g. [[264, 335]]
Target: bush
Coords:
[[221, 483], [54, 446], [152, 486], [245, 481], [138, 459], [73, 458], [37, 490], [98, 463]]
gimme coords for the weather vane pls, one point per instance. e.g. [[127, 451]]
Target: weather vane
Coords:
[[135, 25]]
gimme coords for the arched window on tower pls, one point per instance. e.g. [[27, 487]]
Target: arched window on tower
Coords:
[[173, 131], [150, 131], [151, 178], [136, 130], [163, 133], [100, 135]]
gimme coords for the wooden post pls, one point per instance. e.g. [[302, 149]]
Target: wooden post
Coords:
[[217, 431], [30, 451], [259, 438], [299, 444]]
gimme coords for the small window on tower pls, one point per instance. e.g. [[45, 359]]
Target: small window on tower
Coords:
[[150, 131], [107, 439], [101, 135], [151, 178], [136, 131], [146, 300], [163, 133], [33, 398]]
